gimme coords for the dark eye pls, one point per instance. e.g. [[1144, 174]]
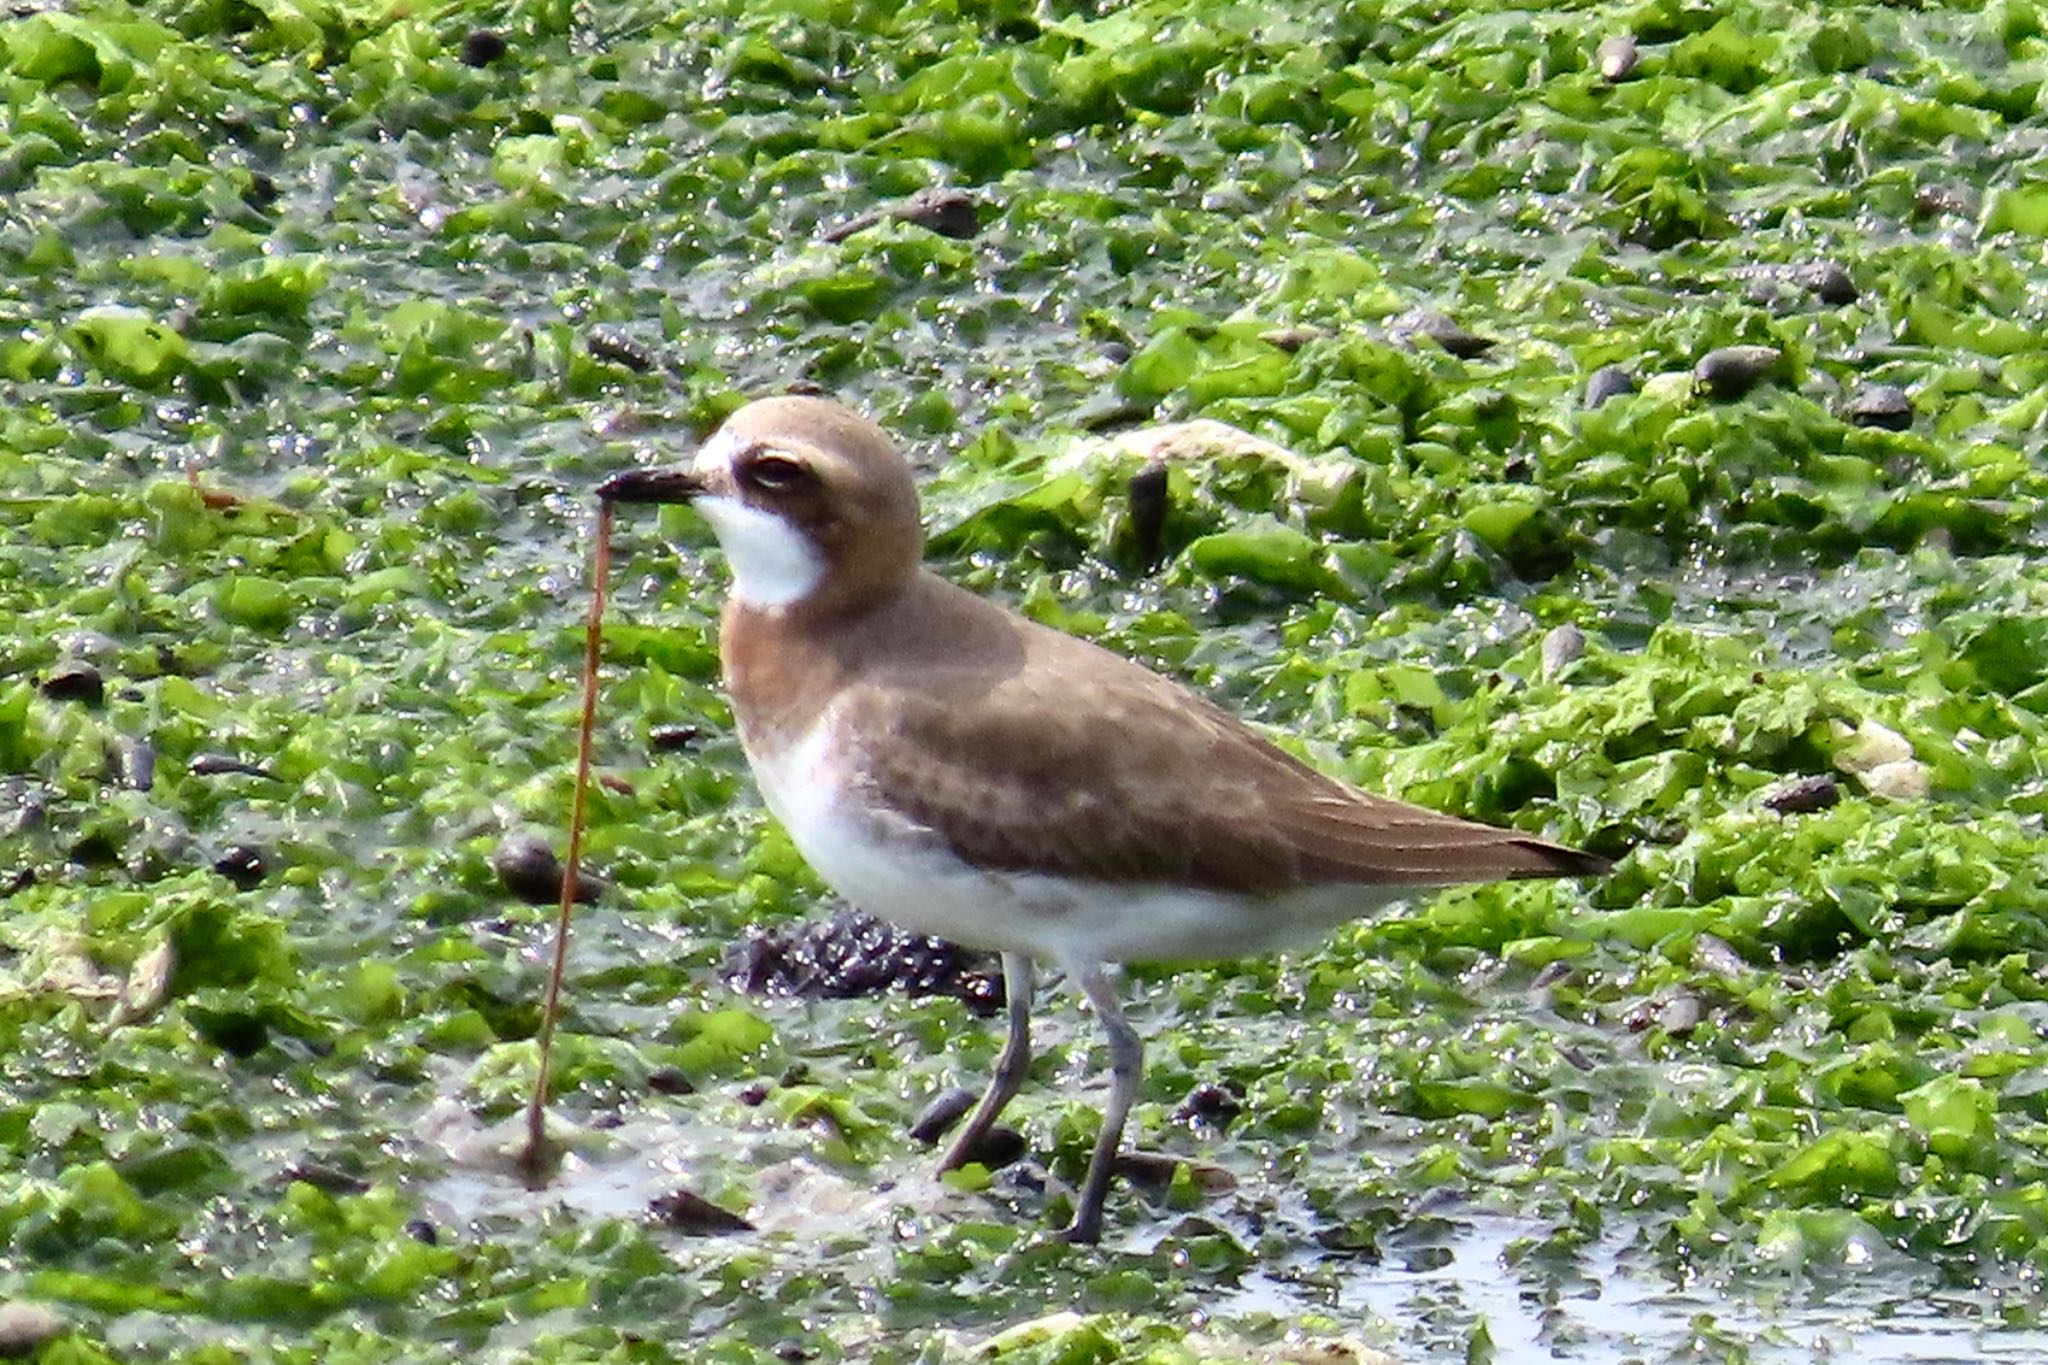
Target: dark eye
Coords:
[[773, 473]]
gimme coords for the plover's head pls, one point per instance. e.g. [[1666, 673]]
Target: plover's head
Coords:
[[812, 503]]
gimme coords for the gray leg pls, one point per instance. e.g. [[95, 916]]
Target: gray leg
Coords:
[[1126, 1066], [1011, 1066]]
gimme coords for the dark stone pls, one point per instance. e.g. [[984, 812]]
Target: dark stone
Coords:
[[75, 681], [695, 1215], [1149, 505], [669, 1081], [668, 739], [946, 1109], [242, 865], [482, 47], [1930, 200], [853, 954], [1211, 1105], [528, 868], [1804, 796], [1879, 405], [948, 212], [132, 763], [1831, 283], [217, 765], [1733, 371], [1156, 1170], [321, 1176], [609, 344], [1609, 381], [1000, 1146], [423, 1232], [1445, 332]]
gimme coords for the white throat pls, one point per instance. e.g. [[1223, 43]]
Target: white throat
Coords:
[[773, 564]]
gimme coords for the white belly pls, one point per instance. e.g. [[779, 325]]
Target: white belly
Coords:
[[891, 867]]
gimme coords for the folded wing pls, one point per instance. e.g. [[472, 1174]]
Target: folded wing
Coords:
[[1013, 773]]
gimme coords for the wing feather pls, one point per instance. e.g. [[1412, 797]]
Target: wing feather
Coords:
[[1087, 763]]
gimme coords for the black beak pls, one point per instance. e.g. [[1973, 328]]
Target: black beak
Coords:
[[650, 485]]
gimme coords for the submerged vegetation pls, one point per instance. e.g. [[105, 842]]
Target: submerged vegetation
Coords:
[[323, 317]]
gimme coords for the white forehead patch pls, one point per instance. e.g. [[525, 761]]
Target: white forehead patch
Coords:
[[773, 564], [715, 455]]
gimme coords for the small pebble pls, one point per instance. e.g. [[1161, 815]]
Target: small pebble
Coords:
[[1681, 1014], [1149, 504], [218, 765], [669, 1081], [1733, 371], [324, 1177], [1937, 199], [1830, 282], [25, 1326], [946, 1109], [1156, 1169], [695, 1215], [1000, 1146], [948, 212], [1210, 1104], [482, 47], [1906, 780], [1609, 381], [1618, 56], [1444, 331], [607, 343], [133, 762], [669, 739], [1879, 405], [1562, 645], [1713, 953], [1803, 797], [1292, 339], [242, 865], [528, 868], [75, 681]]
